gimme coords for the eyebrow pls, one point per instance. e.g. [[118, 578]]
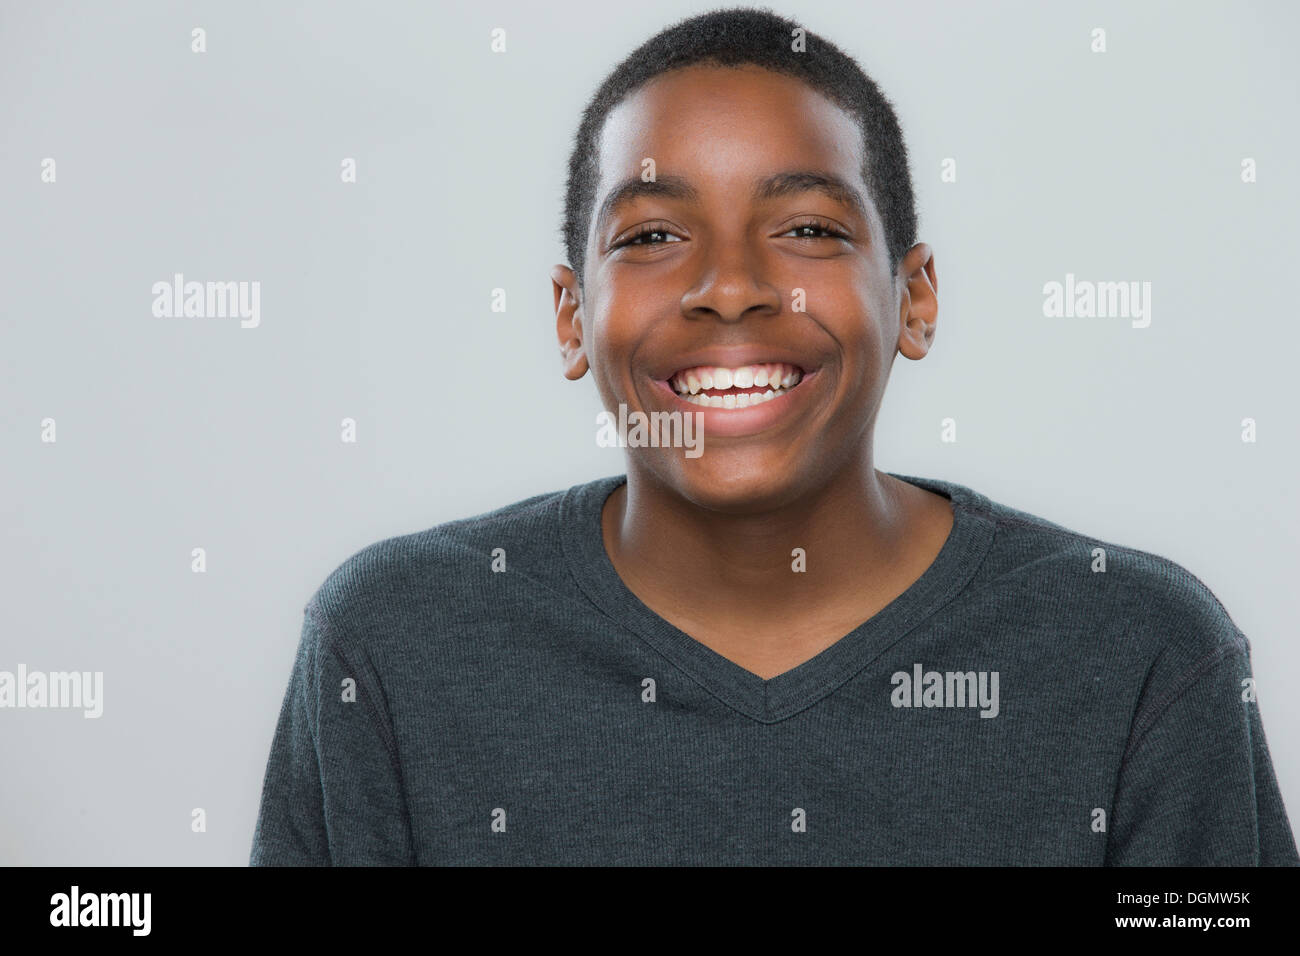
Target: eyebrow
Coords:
[[786, 183]]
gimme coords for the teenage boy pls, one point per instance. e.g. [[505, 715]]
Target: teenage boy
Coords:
[[771, 652]]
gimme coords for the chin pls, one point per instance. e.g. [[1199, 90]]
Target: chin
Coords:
[[734, 482]]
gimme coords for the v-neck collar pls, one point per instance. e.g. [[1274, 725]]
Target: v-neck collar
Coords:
[[780, 697]]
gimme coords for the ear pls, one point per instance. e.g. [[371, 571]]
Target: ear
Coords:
[[918, 305], [568, 321]]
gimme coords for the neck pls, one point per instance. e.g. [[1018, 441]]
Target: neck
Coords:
[[852, 531]]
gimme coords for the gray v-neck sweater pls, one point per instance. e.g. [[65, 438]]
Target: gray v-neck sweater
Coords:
[[489, 691]]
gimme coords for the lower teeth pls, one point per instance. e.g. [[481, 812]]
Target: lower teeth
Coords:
[[742, 400]]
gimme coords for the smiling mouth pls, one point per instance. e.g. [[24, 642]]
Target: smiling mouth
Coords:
[[712, 386]]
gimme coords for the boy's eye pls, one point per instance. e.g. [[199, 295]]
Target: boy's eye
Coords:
[[825, 228], [655, 234], [645, 233]]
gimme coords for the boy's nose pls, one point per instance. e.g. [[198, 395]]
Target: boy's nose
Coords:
[[731, 288]]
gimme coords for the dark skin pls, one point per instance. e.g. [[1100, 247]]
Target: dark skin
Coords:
[[706, 542]]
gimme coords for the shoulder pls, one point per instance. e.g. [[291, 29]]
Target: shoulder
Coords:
[[441, 573], [1152, 604]]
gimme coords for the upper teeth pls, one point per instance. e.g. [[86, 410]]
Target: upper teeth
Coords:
[[774, 375]]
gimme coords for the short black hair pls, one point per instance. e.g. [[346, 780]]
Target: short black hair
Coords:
[[757, 36]]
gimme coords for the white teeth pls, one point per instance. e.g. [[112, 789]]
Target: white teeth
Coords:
[[741, 400], [778, 378]]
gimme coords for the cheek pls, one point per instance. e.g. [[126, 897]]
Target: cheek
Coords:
[[623, 322], [610, 343], [865, 343], [854, 319]]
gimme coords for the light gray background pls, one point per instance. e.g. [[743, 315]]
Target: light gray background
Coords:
[[182, 433]]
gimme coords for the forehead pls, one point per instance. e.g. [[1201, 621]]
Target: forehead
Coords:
[[722, 126]]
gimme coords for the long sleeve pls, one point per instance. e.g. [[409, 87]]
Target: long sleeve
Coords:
[[1197, 787], [333, 792]]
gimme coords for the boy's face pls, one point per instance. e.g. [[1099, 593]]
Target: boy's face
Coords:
[[715, 283]]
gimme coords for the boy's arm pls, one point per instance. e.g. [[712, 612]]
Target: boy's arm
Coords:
[[1196, 786], [332, 794]]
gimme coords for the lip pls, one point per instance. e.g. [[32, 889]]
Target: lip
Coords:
[[736, 422], [733, 356]]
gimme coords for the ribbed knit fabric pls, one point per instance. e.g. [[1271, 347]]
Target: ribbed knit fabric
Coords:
[[1016, 705]]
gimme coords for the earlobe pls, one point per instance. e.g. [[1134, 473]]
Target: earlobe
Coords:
[[919, 303], [574, 359], [568, 322]]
